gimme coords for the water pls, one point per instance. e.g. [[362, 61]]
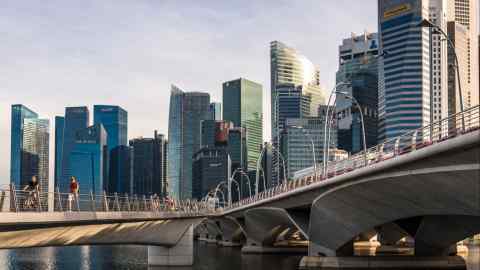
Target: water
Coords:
[[207, 257]]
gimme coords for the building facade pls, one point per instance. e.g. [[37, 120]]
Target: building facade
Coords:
[[120, 178], [187, 110], [404, 79], [242, 100], [59, 128], [149, 165], [115, 121], [29, 154], [358, 57], [216, 111], [297, 139], [290, 68], [87, 158], [76, 119], [211, 166]]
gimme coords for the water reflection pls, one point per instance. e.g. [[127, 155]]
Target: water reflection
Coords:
[[207, 257]]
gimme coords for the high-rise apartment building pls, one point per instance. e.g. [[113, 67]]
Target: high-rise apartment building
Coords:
[[242, 101], [358, 66], [404, 77], [187, 110], [29, 154], [76, 119], [149, 165], [290, 70], [87, 158]]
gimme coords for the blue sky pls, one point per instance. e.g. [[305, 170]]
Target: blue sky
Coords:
[[57, 53]]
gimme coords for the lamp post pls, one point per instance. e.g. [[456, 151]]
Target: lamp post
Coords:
[[313, 148], [428, 24], [326, 122], [240, 170], [259, 161]]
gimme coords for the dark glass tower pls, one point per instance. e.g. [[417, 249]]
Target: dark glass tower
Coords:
[[59, 128], [358, 65], [76, 119], [242, 100], [149, 165], [121, 170], [187, 110], [210, 167]]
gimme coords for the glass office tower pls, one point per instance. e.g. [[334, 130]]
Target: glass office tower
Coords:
[[216, 111], [76, 119], [29, 148], [59, 128], [149, 165], [358, 66], [404, 78], [87, 156], [187, 110], [242, 100], [19, 114], [115, 121], [290, 67]]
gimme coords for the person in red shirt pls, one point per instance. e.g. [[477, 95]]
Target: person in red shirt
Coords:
[[74, 187]]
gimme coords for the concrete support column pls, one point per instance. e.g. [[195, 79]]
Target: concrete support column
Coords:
[[179, 255]]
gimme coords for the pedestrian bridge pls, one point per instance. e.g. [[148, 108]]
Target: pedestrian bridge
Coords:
[[423, 185]]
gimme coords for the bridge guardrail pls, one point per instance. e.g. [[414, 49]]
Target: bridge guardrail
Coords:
[[444, 129]]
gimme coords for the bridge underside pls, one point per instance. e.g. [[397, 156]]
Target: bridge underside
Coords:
[[444, 199]]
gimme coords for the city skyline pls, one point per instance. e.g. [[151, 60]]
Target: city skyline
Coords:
[[35, 86]]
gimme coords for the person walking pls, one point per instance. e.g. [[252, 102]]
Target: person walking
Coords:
[[73, 195], [32, 196]]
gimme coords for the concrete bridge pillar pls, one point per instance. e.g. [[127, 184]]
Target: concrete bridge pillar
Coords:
[[232, 232], [179, 255]]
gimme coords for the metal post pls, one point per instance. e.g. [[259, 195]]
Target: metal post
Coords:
[[144, 203], [128, 202], [117, 203], [14, 197], [39, 207], [92, 201], [60, 206], [105, 201]]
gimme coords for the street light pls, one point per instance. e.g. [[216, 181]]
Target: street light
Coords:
[[257, 175], [313, 148], [428, 24], [326, 122]]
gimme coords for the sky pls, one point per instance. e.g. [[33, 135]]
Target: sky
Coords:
[[57, 53]]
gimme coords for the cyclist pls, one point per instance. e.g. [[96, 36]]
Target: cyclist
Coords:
[[32, 197]]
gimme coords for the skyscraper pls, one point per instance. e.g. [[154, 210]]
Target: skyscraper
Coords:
[[187, 110], [404, 77], [242, 100], [115, 121], [210, 166], [358, 67], [86, 159], [292, 76], [464, 12], [120, 178], [76, 119], [29, 148], [59, 128], [149, 165], [216, 111]]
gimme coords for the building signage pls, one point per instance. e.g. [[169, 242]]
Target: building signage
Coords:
[[396, 11]]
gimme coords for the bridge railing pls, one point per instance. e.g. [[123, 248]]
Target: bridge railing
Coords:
[[15, 199], [444, 129]]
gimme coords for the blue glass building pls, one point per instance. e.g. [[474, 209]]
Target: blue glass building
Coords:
[[87, 156], [59, 128], [120, 170], [115, 121], [404, 77], [187, 110], [76, 119], [29, 148]]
